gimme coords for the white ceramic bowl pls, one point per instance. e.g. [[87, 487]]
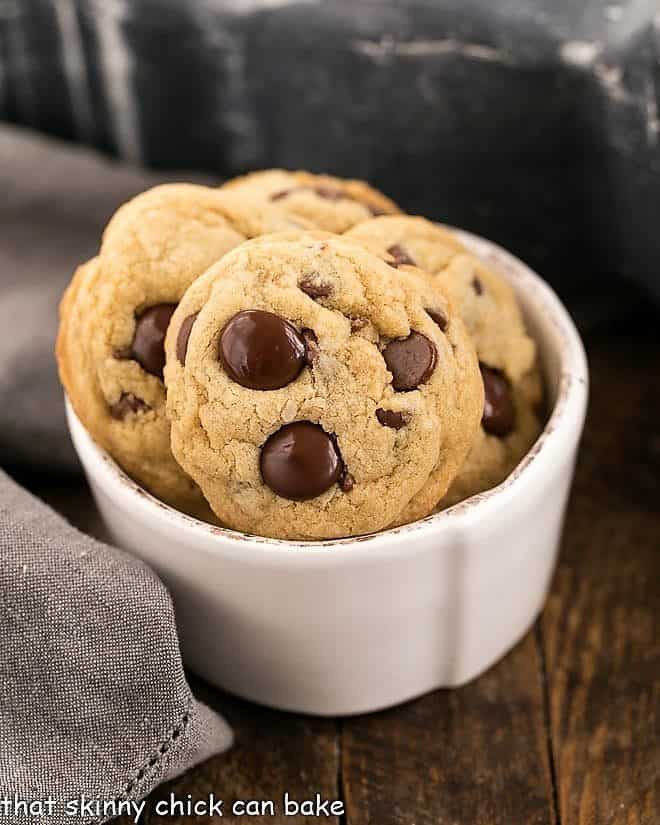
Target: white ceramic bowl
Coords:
[[359, 624]]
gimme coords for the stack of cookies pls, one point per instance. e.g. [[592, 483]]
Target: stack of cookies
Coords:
[[292, 356]]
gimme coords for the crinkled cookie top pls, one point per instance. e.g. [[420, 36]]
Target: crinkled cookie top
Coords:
[[312, 389]]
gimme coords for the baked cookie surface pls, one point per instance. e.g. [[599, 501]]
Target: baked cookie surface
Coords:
[[116, 311], [511, 425], [489, 309], [329, 203], [313, 391]]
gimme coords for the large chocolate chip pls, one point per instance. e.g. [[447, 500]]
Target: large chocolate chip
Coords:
[[401, 257], [300, 461], [128, 403], [439, 317], [184, 336], [411, 361], [499, 413], [477, 285], [148, 341], [261, 351], [391, 418]]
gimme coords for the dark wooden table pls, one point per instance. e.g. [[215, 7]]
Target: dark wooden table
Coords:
[[566, 728]]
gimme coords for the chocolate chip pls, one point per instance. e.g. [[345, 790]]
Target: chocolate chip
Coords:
[[311, 346], [328, 193], [183, 337], [401, 257], [391, 418], [128, 403], [411, 361], [300, 461], [123, 353], [358, 323], [148, 347], [260, 350], [315, 288], [477, 286], [346, 482], [499, 413], [440, 318]]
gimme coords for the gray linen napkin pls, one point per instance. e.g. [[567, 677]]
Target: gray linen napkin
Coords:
[[94, 700], [94, 703], [55, 200]]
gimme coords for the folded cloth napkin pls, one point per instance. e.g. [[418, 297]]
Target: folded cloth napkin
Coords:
[[56, 200], [94, 703]]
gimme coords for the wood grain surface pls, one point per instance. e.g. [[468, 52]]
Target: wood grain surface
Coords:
[[601, 626], [565, 730], [274, 753], [475, 755]]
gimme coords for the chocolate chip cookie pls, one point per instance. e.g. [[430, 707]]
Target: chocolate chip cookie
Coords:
[[507, 354], [116, 312], [313, 391], [329, 203]]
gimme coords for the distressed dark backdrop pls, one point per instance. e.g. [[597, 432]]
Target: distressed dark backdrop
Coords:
[[533, 122]]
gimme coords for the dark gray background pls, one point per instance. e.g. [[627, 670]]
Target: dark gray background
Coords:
[[532, 122]]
